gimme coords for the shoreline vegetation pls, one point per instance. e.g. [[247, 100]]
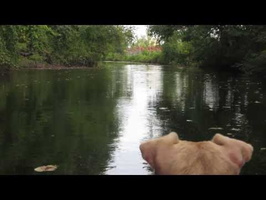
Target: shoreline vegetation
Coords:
[[58, 67], [219, 47]]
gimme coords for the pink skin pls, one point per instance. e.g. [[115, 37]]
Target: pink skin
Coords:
[[161, 152]]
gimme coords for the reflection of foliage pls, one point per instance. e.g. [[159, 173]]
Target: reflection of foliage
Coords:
[[62, 117], [68, 117], [234, 107]]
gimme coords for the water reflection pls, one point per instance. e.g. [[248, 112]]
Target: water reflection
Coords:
[[92, 121], [193, 103], [57, 117], [137, 119], [210, 92]]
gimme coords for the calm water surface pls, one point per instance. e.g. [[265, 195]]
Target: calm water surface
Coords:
[[91, 121]]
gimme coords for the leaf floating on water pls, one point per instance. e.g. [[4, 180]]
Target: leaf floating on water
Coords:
[[46, 168], [264, 148], [229, 134], [189, 120]]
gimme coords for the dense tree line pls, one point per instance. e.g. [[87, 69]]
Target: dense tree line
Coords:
[[217, 46], [24, 45]]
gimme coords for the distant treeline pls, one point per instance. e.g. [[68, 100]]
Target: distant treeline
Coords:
[[241, 47], [29, 45]]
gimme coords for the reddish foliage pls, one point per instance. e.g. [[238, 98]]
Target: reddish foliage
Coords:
[[135, 50]]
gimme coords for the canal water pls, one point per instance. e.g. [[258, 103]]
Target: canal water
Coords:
[[91, 121]]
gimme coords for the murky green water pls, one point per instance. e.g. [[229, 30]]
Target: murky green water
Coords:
[[91, 121]]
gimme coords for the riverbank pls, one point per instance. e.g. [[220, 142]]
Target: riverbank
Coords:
[[44, 67], [49, 66], [132, 62]]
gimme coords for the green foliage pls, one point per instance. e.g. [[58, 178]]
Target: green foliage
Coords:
[[239, 47], [60, 44], [146, 57], [162, 32], [255, 63], [144, 42], [142, 52], [175, 51], [216, 46], [8, 50]]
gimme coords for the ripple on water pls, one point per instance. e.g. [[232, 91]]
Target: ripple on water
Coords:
[[215, 128], [163, 108], [235, 129]]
